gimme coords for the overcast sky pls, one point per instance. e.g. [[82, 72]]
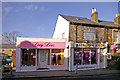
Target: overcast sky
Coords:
[[38, 19]]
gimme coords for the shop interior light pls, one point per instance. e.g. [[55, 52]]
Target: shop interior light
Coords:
[[60, 53]]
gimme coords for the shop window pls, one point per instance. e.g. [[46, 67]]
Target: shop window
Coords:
[[86, 57], [57, 57], [78, 56], [83, 57], [88, 34], [28, 57], [93, 57]]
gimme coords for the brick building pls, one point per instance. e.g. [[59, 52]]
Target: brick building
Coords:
[[88, 40], [9, 50]]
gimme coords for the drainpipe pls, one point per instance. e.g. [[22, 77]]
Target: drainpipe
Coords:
[[107, 34], [76, 32], [71, 56]]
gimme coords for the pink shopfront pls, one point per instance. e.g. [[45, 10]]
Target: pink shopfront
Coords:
[[40, 54]]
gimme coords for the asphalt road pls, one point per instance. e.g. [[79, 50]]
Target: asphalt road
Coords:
[[94, 77]]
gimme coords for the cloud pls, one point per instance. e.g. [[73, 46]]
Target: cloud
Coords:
[[31, 7], [42, 8], [28, 7], [7, 9], [34, 7]]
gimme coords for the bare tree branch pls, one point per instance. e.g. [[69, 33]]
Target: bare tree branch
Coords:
[[10, 38]]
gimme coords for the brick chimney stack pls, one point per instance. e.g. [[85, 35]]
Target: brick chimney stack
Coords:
[[94, 15], [117, 19]]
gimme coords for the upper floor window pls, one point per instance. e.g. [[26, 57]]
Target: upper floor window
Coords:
[[115, 36], [88, 34]]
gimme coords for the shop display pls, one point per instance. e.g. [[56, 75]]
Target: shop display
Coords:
[[54, 59], [57, 58], [27, 57], [84, 56]]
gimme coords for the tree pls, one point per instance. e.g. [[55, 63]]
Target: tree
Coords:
[[10, 38]]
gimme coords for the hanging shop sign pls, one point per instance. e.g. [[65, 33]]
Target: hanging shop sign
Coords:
[[48, 45], [89, 45], [114, 46]]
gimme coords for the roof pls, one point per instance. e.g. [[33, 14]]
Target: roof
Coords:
[[89, 21], [8, 46]]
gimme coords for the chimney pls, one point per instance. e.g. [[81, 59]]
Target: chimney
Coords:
[[117, 19], [94, 15]]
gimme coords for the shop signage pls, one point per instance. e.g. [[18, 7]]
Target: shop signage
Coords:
[[89, 45], [56, 45]]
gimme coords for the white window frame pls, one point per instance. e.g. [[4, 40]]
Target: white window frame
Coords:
[[89, 31], [114, 36]]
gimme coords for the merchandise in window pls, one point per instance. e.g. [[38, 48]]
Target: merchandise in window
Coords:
[[28, 57], [82, 57], [57, 57]]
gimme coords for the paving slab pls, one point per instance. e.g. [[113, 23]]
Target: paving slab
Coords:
[[49, 74]]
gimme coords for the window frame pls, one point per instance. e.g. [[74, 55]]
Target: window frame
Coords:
[[114, 36], [89, 31]]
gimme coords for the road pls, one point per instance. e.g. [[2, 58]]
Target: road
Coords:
[[93, 77]]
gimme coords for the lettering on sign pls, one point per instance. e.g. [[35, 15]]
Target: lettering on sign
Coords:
[[47, 44], [55, 45]]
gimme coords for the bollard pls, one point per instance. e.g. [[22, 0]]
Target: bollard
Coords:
[[76, 67], [11, 71]]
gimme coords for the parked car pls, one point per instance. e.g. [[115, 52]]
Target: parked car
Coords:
[[6, 68], [6, 64]]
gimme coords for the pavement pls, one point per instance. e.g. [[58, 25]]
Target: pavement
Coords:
[[55, 74]]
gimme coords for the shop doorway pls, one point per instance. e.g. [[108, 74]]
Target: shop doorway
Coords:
[[43, 59]]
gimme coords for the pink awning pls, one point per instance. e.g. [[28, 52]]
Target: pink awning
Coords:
[[48, 45]]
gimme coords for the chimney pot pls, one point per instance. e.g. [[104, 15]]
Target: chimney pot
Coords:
[[116, 15], [117, 19], [95, 10], [94, 15], [92, 10]]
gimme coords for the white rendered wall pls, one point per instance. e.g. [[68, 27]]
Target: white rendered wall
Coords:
[[62, 26]]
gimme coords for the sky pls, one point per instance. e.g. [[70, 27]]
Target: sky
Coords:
[[38, 19]]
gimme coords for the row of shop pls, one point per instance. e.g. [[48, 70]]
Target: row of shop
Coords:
[[39, 54]]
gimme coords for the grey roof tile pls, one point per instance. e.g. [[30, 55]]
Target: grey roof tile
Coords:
[[89, 21]]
